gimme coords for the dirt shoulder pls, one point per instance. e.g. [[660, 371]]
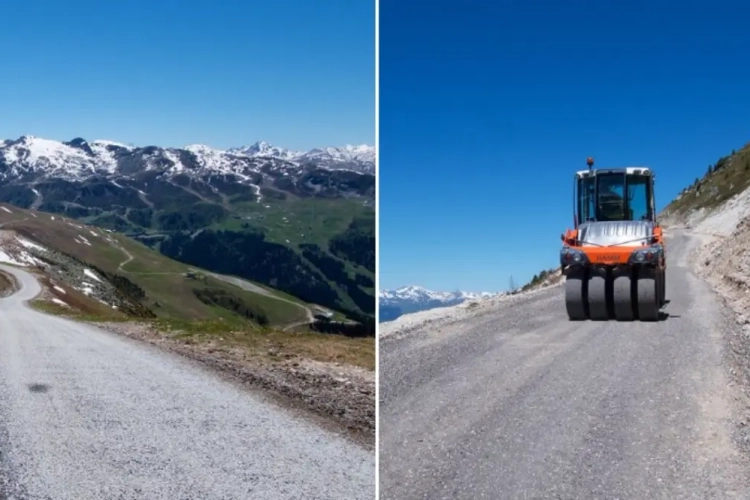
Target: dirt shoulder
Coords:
[[343, 394], [720, 254]]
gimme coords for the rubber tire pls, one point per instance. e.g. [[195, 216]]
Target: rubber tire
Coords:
[[622, 297], [575, 296], [598, 296], [648, 295]]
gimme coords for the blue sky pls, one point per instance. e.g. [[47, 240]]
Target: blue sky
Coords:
[[487, 109], [295, 73]]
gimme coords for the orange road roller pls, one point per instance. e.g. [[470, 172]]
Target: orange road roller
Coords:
[[614, 259]]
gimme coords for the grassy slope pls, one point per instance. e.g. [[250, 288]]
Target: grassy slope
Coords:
[[546, 276], [290, 222], [725, 179], [169, 292], [296, 221]]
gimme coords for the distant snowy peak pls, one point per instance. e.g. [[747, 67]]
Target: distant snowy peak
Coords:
[[264, 149], [418, 294], [360, 157], [410, 299], [362, 153]]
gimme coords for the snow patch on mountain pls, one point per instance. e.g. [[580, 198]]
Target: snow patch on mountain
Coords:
[[111, 144], [15, 250], [72, 159]]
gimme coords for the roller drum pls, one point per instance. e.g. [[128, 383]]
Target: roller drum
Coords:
[[648, 295], [575, 295], [622, 296], [597, 295]]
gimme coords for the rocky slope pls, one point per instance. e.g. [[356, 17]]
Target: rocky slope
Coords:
[[72, 274], [302, 222]]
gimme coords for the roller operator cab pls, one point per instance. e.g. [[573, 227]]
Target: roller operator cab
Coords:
[[614, 258]]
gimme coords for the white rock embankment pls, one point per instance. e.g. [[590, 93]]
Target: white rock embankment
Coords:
[[722, 253]]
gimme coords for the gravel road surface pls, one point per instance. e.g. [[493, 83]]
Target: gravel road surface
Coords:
[[521, 403], [85, 414]]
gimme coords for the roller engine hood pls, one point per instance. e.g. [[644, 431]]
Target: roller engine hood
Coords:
[[615, 233]]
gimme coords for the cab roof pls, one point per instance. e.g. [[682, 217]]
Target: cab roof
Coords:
[[616, 170]]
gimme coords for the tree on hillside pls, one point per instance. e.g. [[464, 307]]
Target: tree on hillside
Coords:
[[720, 164]]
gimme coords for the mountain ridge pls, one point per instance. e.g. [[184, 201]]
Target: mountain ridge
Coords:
[[299, 222]]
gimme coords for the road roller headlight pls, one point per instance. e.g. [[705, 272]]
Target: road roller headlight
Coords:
[[646, 255], [572, 256]]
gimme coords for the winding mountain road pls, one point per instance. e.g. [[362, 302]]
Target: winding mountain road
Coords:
[[86, 414], [519, 403]]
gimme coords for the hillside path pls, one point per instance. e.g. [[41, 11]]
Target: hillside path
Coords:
[[519, 403], [86, 414], [243, 284], [252, 287]]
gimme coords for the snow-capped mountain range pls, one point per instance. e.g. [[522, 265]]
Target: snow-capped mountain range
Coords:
[[78, 158], [35, 171], [409, 299]]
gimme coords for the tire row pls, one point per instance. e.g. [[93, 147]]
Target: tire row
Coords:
[[624, 294]]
